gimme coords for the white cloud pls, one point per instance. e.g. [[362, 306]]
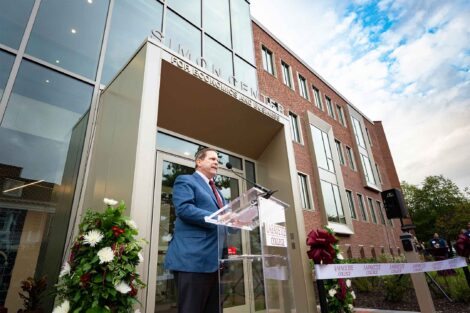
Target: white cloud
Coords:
[[416, 78]]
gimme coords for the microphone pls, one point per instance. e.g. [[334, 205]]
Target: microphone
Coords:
[[268, 192]]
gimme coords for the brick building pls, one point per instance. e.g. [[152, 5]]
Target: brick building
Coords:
[[291, 86], [113, 98]]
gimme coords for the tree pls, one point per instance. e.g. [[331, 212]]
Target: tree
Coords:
[[437, 206]]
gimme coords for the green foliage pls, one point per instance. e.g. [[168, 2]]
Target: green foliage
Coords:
[[93, 281], [339, 301], [33, 289], [396, 287], [437, 206], [455, 286]]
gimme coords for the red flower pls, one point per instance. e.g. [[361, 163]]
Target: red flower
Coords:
[[321, 244], [341, 295], [463, 245], [85, 279], [117, 231], [133, 291]]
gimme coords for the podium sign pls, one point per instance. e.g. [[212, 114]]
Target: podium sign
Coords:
[[256, 277]]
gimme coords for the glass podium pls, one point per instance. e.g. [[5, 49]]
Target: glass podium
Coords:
[[265, 264]]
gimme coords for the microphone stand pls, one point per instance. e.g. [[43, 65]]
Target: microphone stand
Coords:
[[267, 192]]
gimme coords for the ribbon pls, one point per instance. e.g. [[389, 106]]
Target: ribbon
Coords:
[[322, 250]]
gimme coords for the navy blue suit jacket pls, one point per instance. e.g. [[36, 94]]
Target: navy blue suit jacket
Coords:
[[194, 246]]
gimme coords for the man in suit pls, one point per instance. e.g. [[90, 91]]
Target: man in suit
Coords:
[[193, 253]]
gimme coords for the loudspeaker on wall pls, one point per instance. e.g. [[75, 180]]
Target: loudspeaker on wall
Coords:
[[394, 203]]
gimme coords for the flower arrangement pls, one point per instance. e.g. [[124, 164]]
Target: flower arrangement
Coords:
[[100, 274], [324, 250]]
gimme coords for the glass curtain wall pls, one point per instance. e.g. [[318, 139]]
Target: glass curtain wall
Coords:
[[53, 61]]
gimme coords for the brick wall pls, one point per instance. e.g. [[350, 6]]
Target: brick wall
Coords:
[[369, 238]]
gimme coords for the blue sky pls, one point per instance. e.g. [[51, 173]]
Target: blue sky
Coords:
[[406, 63]]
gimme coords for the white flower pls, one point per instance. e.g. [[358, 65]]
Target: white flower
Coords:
[[348, 283], [106, 255], [110, 202], [122, 287], [332, 292], [340, 256], [92, 237], [353, 294], [65, 269], [63, 308], [350, 306], [141, 257], [131, 224]]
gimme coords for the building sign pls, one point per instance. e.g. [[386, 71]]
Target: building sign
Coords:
[[275, 235], [203, 76]]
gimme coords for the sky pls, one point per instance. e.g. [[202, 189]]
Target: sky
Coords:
[[404, 62]]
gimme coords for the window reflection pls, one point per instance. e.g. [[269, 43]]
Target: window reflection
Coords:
[[189, 9], [43, 108], [241, 30], [180, 35], [246, 73], [188, 149], [69, 34], [219, 58], [6, 62], [131, 24], [43, 127], [14, 16], [216, 21]]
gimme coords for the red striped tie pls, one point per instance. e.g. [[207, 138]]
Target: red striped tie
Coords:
[[216, 194]]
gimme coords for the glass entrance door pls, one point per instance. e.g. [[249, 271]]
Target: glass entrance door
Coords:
[[238, 290]]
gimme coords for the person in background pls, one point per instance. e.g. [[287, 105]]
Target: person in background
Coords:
[[436, 242]]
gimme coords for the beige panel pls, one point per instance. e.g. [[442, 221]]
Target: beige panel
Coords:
[[277, 169], [111, 171], [26, 257]]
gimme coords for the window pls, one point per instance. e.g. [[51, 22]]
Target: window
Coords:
[[381, 213], [185, 34], [322, 149], [351, 204], [367, 169], [372, 210], [332, 201], [6, 63], [13, 20], [303, 87], [317, 98], [329, 107], [304, 191], [132, 21], [69, 35], [218, 57], [378, 173], [294, 127], [215, 21], [352, 164], [358, 133], [242, 34], [286, 74], [362, 207], [340, 152], [267, 60], [341, 118], [368, 136]]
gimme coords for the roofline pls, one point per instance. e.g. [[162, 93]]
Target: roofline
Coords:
[[308, 66]]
